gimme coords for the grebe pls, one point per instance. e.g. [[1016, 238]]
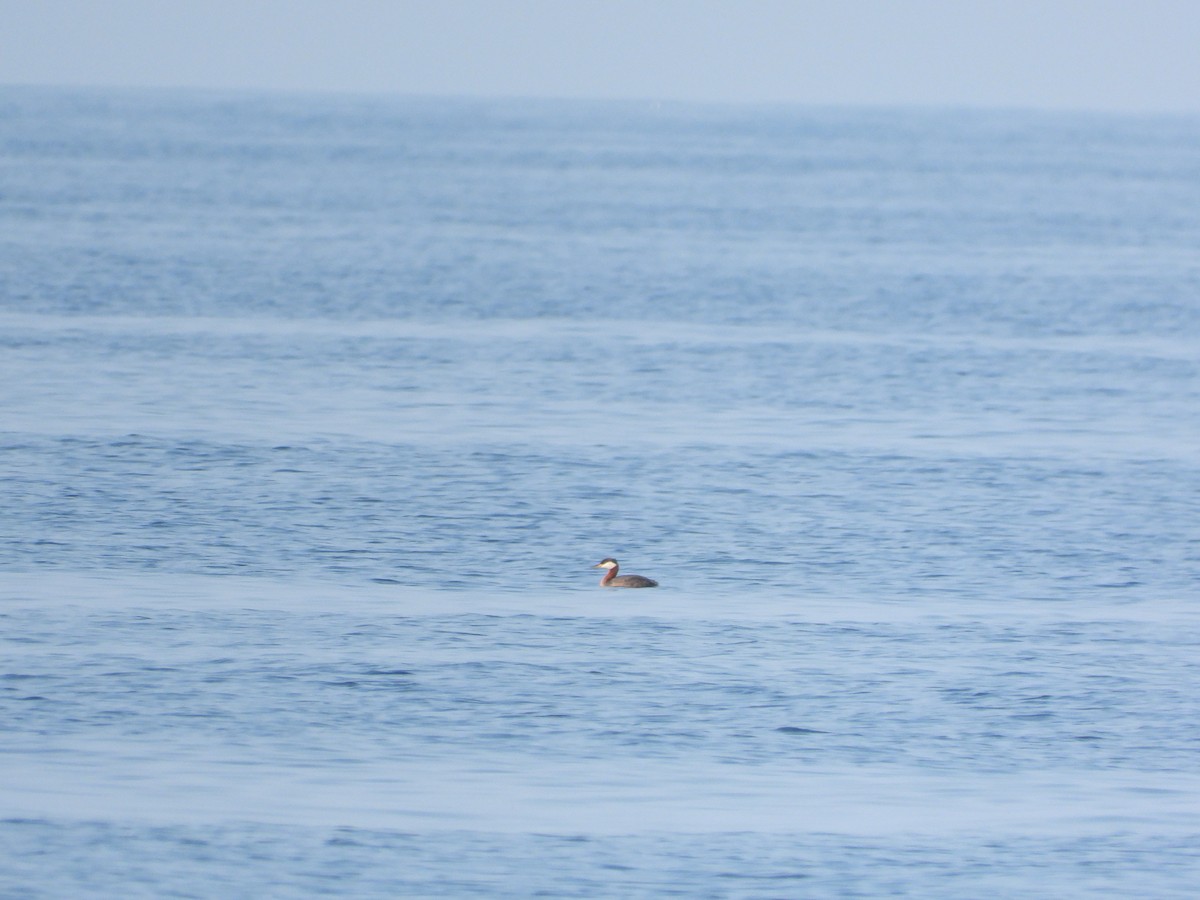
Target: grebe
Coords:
[[612, 579]]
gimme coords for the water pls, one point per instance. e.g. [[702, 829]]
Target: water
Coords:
[[318, 410]]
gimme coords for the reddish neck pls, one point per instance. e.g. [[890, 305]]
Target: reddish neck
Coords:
[[609, 575]]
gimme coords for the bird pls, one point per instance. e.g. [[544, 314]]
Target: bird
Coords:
[[612, 579]]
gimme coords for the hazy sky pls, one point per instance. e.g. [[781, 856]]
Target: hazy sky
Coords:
[[1094, 54]]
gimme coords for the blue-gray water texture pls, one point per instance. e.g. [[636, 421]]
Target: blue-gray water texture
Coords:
[[316, 411]]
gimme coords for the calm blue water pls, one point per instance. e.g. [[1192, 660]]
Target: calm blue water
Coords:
[[316, 412]]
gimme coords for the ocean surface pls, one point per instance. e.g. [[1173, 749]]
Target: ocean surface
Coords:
[[315, 412]]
